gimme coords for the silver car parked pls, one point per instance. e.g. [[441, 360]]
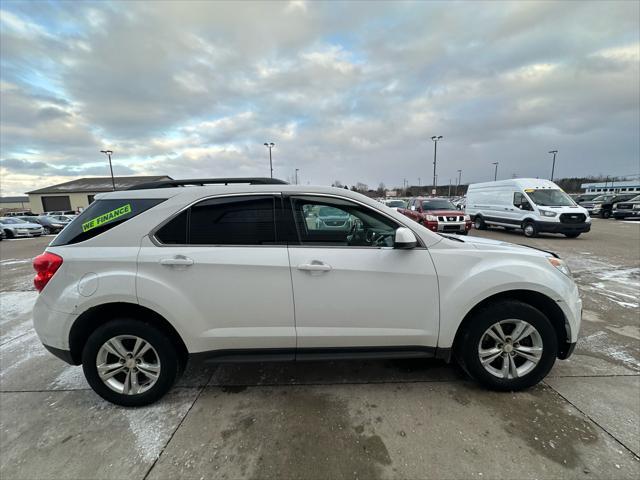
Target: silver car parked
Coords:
[[14, 228]]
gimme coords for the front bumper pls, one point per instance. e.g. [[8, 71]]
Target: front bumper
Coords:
[[558, 227], [626, 213], [64, 355], [567, 350], [453, 227]]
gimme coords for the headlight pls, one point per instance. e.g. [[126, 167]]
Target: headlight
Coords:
[[467, 218], [560, 265], [431, 218], [548, 213], [636, 206], [597, 207], [57, 225]]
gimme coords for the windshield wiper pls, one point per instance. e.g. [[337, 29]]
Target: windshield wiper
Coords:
[[452, 237]]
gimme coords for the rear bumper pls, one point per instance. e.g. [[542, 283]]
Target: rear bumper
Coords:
[[557, 227]]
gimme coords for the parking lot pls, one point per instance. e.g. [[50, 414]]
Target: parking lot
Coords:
[[359, 419]]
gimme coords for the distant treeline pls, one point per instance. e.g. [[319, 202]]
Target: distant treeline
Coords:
[[569, 185]]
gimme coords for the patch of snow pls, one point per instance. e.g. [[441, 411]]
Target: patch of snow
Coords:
[[14, 261], [71, 378], [600, 342], [19, 351], [150, 425], [627, 331], [13, 306]]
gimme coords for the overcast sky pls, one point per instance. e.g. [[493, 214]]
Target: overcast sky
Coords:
[[347, 91]]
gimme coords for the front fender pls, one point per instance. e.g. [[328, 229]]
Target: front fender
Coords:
[[487, 276]]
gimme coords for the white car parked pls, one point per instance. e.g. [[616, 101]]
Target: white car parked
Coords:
[[143, 279]]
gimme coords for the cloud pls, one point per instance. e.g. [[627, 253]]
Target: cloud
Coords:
[[348, 91]]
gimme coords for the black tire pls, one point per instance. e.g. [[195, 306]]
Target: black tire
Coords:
[[467, 344], [463, 233], [572, 235], [46, 231], [605, 214], [530, 230], [9, 234], [168, 357], [479, 224]]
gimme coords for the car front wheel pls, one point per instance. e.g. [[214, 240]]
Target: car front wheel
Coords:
[[130, 363], [508, 346]]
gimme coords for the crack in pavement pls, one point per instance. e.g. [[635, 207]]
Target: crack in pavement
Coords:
[[619, 442]]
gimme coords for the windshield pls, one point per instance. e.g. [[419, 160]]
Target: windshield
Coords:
[[9, 220], [635, 199], [395, 203], [332, 212], [603, 198], [550, 198], [437, 205]]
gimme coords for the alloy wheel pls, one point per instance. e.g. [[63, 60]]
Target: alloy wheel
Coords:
[[128, 364], [510, 348]]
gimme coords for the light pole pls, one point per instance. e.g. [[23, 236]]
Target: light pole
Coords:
[[270, 146], [435, 139], [553, 167], [459, 180], [108, 153], [495, 173], [297, 169]]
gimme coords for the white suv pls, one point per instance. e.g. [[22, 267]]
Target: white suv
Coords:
[[143, 279]]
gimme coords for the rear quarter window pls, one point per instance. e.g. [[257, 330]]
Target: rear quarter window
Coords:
[[103, 215]]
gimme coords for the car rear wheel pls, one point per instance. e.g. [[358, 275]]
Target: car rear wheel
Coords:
[[479, 224], [605, 214], [530, 230], [508, 346], [46, 231], [130, 363]]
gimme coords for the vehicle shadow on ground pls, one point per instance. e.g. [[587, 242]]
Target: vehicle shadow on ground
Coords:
[[323, 372]]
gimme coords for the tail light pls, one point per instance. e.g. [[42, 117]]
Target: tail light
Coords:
[[45, 265]]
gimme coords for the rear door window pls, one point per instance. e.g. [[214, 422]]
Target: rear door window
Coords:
[[248, 220], [103, 215]]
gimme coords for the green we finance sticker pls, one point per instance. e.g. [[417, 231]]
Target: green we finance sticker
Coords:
[[106, 217]]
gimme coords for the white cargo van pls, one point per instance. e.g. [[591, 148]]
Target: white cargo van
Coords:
[[530, 204]]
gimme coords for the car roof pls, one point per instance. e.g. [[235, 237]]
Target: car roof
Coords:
[[211, 190]]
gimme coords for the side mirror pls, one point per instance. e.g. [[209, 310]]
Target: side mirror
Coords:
[[405, 239]]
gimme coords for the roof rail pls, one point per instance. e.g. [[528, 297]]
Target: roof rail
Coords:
[[208, 181]]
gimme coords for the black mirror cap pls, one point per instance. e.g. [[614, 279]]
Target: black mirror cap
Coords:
[[405, 245]]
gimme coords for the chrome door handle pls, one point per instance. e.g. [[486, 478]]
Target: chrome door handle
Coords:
[[177, 260], [314, 267]]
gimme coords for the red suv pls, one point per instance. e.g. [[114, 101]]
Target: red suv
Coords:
[[438, 215]]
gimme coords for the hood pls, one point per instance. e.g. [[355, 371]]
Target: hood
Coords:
[[24, 225], [443, 213], [489, 244]]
